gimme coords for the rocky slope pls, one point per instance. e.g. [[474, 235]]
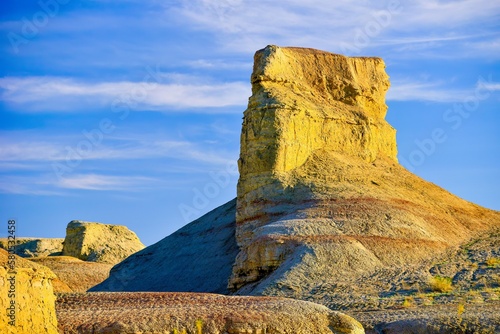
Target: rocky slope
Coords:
[[433, 319], [196, 313], [98, 242], [31, 287], [197, 258]]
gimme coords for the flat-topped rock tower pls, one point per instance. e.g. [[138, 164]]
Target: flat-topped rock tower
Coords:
[[321, 194], [306, 101], [321, 201]]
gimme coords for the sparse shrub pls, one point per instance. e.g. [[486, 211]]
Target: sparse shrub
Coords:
[[460, 309], [493, 262], [183, 331], [441, 284], [199, 326], [408, 302]]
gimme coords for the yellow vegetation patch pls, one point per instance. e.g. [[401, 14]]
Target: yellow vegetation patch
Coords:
[[441, 284]]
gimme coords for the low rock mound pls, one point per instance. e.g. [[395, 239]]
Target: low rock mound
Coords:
[[196, 313], [78, 275], [35, 247], [30, 286], [98, 242]]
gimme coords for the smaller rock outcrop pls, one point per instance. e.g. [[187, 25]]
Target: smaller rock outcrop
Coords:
[[35, 247], [78, 275], [96, 242], [197, 313], [30, 287]]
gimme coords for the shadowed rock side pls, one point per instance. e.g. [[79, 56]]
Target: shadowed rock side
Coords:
[[321, 196], [196, 258], [196, 313]]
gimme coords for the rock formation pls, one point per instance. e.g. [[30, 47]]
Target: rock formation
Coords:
[[321, 201], [321, 196], [31, 289], [197, 313], [98, 242], [36, 247]]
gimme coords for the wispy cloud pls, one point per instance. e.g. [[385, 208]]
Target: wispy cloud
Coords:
[[26, 185], [491, 86], [65, 94], [16, 149], [45, 185], [240, 25], [219, 64], [103, 182], [406, 90]]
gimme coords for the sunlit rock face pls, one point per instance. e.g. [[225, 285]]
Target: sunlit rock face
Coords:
[[305, 101], [29, 287], [96, 242], [321, 195]]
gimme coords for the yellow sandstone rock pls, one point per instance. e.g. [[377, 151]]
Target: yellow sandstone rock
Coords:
[[34, 309], [35, 247], [96, 242], [321, 196], [307, 100]]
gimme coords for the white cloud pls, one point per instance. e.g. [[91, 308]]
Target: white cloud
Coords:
[[46, 185], [424, 91], [246, 26], [26, 185], [491, 86], [429, 14], [63, 94], [28, 150], [18, 150], [219, 64], [103, 182], [407, 90]]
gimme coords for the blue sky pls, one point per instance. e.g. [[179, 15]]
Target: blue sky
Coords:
[[130, 112]]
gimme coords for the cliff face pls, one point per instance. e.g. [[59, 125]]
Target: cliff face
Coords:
[[304, 101], [321, 196]]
